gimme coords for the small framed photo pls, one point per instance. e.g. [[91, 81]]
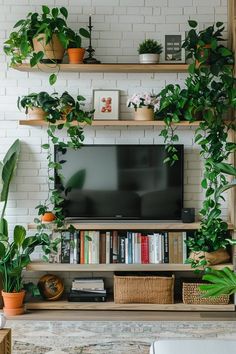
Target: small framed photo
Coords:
[[106, 104], [173, 51]]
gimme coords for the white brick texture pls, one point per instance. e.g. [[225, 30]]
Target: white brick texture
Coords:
[[119, 26]]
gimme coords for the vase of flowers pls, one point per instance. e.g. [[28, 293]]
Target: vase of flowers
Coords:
[[145, 105]]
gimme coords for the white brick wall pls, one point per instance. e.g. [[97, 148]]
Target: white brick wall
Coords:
[[119, 26]]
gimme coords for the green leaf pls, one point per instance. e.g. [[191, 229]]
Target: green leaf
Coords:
[[192, 23], [46, 10], [45, 146], [64, 12], [55, 12], [19, 23], [3, 227], [84, 33], [52, 79], [204, 183], [19, 235]]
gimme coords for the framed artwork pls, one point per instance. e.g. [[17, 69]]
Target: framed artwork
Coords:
[[173, 51], [106, 104]]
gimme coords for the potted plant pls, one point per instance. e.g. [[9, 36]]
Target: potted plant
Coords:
[[149, 51], [74, 49], [144, 105], [39, 38], [203, 47], [38, 105]]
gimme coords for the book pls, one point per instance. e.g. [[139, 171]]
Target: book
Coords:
[[72, 247], [115, 246], [55, 251], [81, 247], [129, 248], [144, 250], [86, 247], [152, 248], [121, 248], [175, 247], [65, 247], [102, 248], [108, 239], [166, 247]]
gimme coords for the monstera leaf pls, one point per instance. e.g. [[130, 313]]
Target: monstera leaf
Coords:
[[222, 282]]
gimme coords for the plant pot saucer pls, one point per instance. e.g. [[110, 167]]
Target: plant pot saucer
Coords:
[[13, 312]]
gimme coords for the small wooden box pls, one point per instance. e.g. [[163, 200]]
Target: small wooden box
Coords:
[[5, 341]]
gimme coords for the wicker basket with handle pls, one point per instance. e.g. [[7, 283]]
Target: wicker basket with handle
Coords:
[[193, 295], [143, 290]]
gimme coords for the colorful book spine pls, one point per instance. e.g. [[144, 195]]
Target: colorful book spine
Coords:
[[81, 247], [144, 250], [108, 238], [115, 246]]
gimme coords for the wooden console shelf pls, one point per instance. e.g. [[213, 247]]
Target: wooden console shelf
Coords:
[[107, 68], [165, 226], [111, 306], [113, 123], [114, 267]]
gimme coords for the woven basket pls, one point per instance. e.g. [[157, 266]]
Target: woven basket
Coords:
[[143, 290], [193, 295]]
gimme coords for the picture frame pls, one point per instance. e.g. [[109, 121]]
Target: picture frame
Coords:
[[172, 48], [106, 104]]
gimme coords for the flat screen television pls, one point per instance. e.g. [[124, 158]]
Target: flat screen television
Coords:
[[116, 182]]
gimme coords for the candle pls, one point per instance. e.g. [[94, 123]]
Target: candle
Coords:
[[90, 21]]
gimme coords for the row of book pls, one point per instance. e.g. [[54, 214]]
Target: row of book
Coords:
[[106, 247]]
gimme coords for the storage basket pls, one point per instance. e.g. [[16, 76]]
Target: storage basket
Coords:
[[143, 290], [193, 295]]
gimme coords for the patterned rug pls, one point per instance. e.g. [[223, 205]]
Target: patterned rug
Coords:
[[77, 337]]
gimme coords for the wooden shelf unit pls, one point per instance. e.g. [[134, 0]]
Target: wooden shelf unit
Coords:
[[165, 226], [113, 123], [111, 306], [106, 68], [116, 267]]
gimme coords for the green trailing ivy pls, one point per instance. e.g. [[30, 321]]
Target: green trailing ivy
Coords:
[[62, 112], [208, 94]]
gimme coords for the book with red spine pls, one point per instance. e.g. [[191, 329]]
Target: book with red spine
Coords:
[[81, 247], [144, 250]]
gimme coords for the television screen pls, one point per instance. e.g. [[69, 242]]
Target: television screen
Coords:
[[121, 182]]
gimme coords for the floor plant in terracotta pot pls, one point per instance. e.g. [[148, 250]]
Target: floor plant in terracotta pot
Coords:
[[74, 48]]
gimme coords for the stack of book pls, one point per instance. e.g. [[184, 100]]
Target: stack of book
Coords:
[[106, 247], [88, 290]]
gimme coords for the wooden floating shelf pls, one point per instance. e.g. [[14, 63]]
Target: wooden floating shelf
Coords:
[[111, 306], [165, 226], [106, 68], [113, 123], [62, 267]]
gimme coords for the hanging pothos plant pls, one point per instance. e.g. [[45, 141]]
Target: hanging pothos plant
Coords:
[[62, 112], [208, 95]]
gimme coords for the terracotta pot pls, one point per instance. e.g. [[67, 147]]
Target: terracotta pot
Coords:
[[76, 55], [144, 113], [212, 258], [207, 46], [53, 51], [13, 303], [37, 113], [48, 217]]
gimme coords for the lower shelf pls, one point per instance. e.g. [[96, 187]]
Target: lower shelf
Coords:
[[65, 305]]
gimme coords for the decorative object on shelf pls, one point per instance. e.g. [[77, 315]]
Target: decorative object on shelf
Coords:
[[32, 104], [143, 290], [106, 104], [145, 104], [48, 217], [192, 295], [188, 215], [74, 49], [90, 59], [212, 258], [3, 320], [51, 287], [149, 51], [215, 80], [39, 38], [173, 51]]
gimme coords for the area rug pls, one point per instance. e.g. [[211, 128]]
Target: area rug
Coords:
[[104, 337]]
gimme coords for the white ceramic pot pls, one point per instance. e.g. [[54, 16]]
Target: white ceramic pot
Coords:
[[2, 320], [144, 113], [149, 58]]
